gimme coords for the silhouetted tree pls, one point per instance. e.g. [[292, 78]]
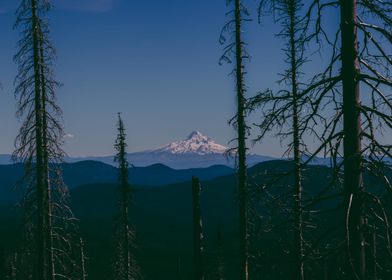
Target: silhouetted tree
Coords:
[[284, 111], [236, 49], [125, 265], [360, 60], [49, 221]]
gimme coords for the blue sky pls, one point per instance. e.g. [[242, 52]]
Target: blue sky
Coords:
[[154, 61]]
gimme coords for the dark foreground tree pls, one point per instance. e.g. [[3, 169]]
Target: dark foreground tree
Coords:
[[125, 265], [48, 252], [357, 83], [233, 28]]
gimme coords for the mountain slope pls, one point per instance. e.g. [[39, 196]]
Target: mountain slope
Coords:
[[90, 172], [195, 143], [195, 151], [162, 217]]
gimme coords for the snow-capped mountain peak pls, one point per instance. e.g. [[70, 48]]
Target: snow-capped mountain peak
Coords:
[[195, 143], [197, 136]]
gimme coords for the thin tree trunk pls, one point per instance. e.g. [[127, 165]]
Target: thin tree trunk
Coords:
[[47, 193], [125, 216], [298, 222], [241, 130], [353, 182], [83, 272], [40, 178], [197, 231]]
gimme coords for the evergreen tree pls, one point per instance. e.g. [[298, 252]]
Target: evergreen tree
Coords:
[[125, 265]]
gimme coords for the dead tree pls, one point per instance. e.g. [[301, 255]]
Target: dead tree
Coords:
[[197, 231], [48, 218], [359, 62], [237, 51], [353, 174], [125, 265], [281, 110]]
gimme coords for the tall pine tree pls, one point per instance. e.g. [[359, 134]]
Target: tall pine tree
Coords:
[[125, 265]]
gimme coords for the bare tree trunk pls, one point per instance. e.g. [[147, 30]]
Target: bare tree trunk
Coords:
[[83, 272], [197, 231], [298, 222], [42, 262], [353, 182], [47, 188], [241, 130]]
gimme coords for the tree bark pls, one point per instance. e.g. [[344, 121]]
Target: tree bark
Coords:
[[241, 131], [47, 187], [353, 182], [298, 220], [42, 261]]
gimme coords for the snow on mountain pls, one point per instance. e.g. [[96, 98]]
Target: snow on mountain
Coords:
[[196, 143], [196, 151]]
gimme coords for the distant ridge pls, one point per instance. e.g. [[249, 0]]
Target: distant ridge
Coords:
[[195, 151], [92, 172]]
